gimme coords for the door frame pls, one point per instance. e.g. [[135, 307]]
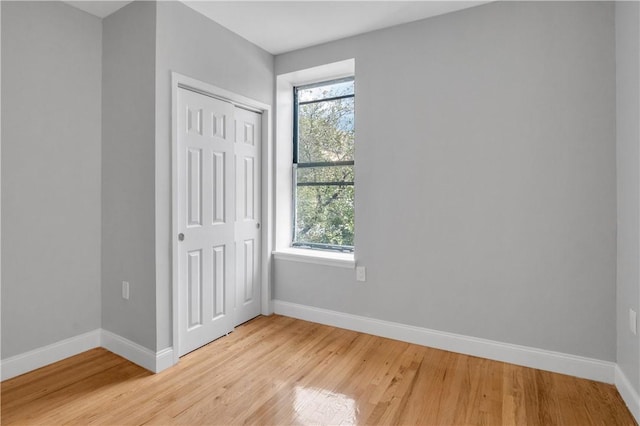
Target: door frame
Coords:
[[266, 192]]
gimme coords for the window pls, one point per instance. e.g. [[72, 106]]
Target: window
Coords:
[[323, 162]]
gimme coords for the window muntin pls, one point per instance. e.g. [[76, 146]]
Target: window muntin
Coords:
[[323, 162]]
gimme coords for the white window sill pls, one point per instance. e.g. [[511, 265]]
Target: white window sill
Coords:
[[318, 257]]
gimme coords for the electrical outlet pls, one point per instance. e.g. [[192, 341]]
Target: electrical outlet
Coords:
[[125, 290], [633, 322], [361, 273]]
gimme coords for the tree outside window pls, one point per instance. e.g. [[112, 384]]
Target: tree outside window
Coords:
[[323, 163]]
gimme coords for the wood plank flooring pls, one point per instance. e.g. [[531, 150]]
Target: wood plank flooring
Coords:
[[279, 371]]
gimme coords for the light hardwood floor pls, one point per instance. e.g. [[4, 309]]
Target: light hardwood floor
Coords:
[[279, 371]]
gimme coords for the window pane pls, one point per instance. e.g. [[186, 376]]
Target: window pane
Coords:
[[334, 174], [324, 158], [325, 90], [326, 131], [324, 215]]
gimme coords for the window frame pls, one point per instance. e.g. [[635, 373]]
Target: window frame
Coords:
[[296, 164]]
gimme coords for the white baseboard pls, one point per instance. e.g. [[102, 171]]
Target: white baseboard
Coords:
[[146, 358], [628, 393], [28, 361], [588, 368], [164, 360]]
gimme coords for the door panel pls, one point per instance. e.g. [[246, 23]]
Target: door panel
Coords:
[[249, 271], [217, 197], [194, 283], [194, 187], [249, 188], [206, 218], [248, 134], [218, 294]]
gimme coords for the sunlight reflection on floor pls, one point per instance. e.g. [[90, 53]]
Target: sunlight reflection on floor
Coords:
[[315, 406]]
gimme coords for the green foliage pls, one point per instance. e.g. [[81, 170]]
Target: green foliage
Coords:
[[324, 213]]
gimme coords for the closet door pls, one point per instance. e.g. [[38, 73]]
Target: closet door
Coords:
[[206, 217], [248, 133]]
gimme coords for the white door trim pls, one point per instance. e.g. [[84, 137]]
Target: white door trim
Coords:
[[179, 80]]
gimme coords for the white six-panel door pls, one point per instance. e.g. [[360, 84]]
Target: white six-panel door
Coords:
[[247, 136], [218, 256]]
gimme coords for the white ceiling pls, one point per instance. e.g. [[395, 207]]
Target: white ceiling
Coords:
[[98, 8], [283, 26]]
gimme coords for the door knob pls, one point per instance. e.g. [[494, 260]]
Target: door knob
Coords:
[[181, 237]]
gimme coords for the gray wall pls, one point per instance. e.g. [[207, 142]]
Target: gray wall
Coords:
[[485, 173], [498, 152], [51, 99], [192, 45], [128, 172], [628, 152], [0, 180], [88, 214]]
